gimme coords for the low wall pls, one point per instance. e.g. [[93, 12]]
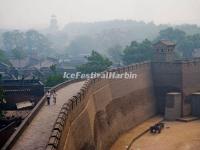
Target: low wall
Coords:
[[6, 133], [103, 110]]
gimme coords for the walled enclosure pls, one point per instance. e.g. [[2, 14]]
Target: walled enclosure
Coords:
[[104, 109]]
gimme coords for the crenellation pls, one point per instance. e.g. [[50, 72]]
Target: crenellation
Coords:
[[53, 141], [60, 121], [58, 127], [86, 89], [116, 106], [56, 133], [63, 116]]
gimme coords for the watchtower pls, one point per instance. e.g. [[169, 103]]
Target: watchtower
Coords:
[[53, 24], [164, 51]]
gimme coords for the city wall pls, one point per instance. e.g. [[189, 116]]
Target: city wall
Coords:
[[176, 76], [104, 109]]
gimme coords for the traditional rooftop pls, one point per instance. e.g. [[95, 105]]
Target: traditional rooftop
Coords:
[[166, 42]]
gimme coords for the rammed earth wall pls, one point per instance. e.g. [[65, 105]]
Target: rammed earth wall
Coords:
[[105, 108]]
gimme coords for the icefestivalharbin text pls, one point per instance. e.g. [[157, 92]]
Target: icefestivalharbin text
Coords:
[[104, 75]]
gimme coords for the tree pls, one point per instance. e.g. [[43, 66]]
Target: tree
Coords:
[[13, 39], [36, 43], [3, 57], [95, 63], [55, 78], [81, 44], [175, 35], [185, 44], [19, 54], [115, 53], [138, 52], [188, 44], [32, 42], [53, 68]]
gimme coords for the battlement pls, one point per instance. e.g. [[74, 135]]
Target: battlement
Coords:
[[101, 110], [100, 103], [96, 99]]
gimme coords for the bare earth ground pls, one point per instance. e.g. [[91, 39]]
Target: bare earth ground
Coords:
[[36, 136], [175, 136], [126, 139]]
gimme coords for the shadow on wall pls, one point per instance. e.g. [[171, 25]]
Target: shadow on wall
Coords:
[[103, 110]]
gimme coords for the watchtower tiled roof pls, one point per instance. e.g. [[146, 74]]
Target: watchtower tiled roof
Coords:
[[166, 42]]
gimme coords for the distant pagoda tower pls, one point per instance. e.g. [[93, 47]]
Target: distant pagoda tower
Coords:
[[164, 51], [53, 27]]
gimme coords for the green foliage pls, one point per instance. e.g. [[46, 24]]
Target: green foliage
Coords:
[[54, 79], [79, 45], [115, 53], [13, 39], [3, 57], [188, 44], [96, 63], [36, 43], [137, 52], [19, 53], [31, 42], [189, 29], [185, 44], [53, 68], [175, 35]]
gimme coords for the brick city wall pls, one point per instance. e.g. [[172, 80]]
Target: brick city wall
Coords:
[[177, 76], [167, 77], [103, 110], [190, 82]]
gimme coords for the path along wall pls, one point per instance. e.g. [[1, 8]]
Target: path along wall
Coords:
[[104, 109]]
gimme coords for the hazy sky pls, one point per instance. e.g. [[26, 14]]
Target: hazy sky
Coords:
[[36, 13]]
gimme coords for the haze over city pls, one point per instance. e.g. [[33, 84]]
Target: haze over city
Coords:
[[99, 74], [23, 14]]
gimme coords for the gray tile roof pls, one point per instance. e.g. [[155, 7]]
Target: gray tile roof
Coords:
[[166, 42]]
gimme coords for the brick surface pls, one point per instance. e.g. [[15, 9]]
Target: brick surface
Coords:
[[62, 116], [50, 147], [56, 133], [53, 141], [58, 126], [37, 134], [60, 121]]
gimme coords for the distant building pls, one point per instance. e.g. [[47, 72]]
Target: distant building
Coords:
[[3, 67], [164, 50], [7, 72], [53, 27], [196, 53], [17, 91], [31, 67]]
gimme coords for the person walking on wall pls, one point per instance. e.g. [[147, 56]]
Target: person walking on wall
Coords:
[[54, 96], [48, 97]]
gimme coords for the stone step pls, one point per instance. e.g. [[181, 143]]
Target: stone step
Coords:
[[187, 119]]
